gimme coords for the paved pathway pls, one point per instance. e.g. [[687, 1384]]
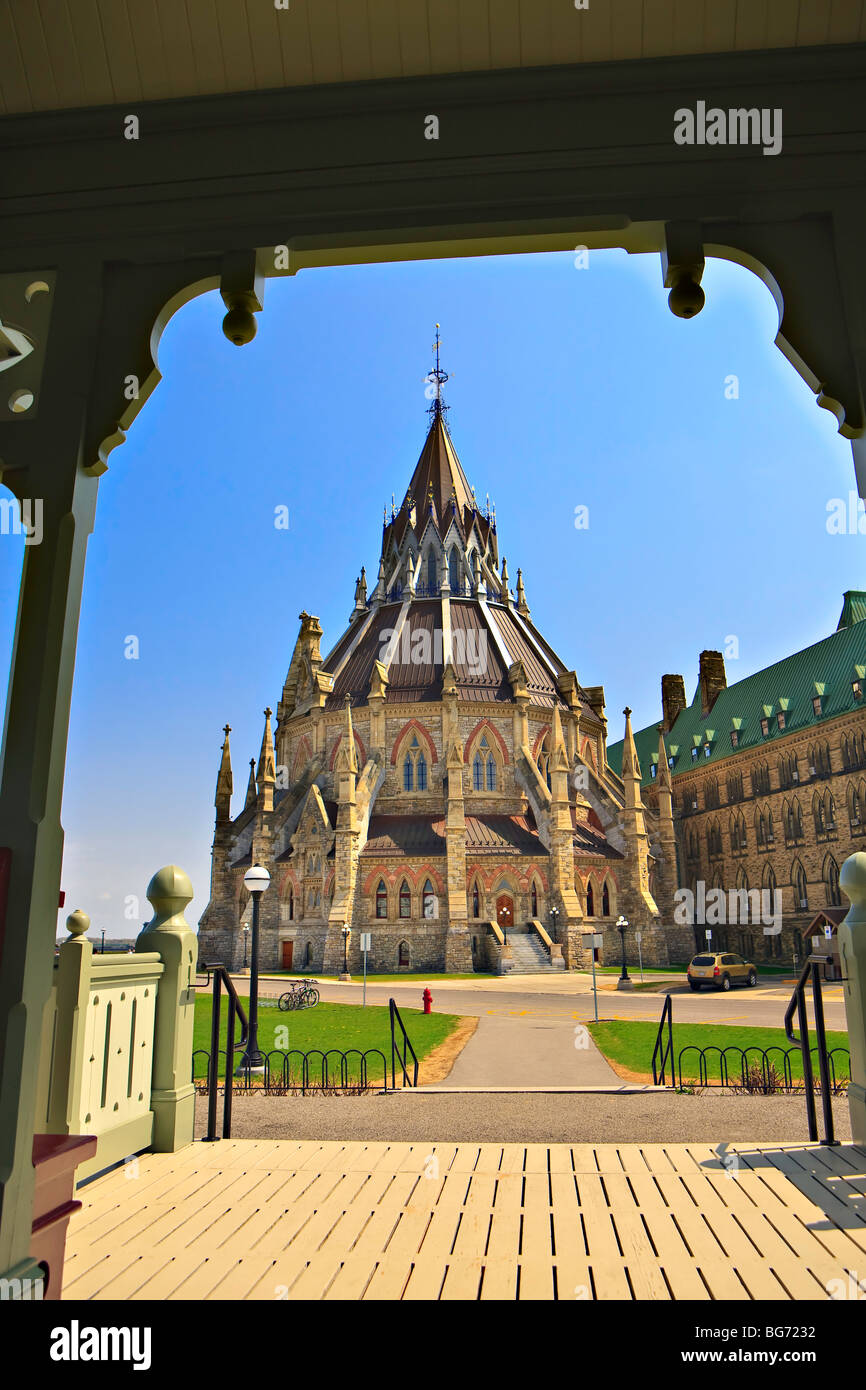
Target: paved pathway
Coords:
[[541, 1052], [275, 1220]]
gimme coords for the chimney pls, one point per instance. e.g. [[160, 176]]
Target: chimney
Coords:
[[712, 679], [673, 700]]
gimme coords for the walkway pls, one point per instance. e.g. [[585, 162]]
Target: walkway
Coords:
[[261, 1219], [543, 1052]]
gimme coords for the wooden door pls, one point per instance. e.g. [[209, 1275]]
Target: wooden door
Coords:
[[288, 948], [504, 911]]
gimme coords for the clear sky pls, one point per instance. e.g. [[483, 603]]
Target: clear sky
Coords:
[[569, 387]]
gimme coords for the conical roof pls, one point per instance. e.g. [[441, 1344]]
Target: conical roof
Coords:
[[439, 488]]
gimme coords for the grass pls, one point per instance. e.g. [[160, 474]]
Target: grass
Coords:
[[630, 1044], [345, 1027]]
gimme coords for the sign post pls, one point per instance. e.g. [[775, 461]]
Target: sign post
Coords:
[[637, 937], [595, 940], [365, 946]]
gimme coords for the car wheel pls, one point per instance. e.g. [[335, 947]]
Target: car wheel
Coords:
[[726, 983], [753, 978], [693, 984]]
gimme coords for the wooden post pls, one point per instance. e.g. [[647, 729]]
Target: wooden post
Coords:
[[170, 936], [852, 949]]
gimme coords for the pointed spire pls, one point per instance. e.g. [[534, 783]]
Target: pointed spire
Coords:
[[251, 786], [266, 773], [663, 775], [438, 379], [522, 605], [630, 764], [224, 786], [504, 575]]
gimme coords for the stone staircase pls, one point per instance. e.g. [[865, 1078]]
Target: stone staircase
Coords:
[[529, 956]]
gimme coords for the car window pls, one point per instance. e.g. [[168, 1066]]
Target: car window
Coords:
[[703, 960], [737, 960]]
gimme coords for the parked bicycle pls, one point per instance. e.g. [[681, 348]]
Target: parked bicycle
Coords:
[[301, 994]]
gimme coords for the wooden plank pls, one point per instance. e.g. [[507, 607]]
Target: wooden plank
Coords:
[[605, 1257], [639, 1257], [716, 1260], [536, 1241], [673, 1256]]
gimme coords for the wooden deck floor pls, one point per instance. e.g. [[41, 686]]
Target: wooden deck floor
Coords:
[[276, 1219]]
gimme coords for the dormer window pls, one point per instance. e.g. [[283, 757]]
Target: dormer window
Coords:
[[857, 688], [671, 761], [694, 752], [765, 726], [707, 750], [653, 770], [816, 706], [781, 719], [735, 738]]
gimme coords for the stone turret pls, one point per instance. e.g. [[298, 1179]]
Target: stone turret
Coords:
[[224, 786], [666, 870], [562, 890], [636, 902]]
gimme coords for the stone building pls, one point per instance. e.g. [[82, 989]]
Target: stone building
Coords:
[[768, 780], [440, 778]]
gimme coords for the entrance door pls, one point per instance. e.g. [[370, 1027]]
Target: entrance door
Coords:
[[288, 948], [504, 911]]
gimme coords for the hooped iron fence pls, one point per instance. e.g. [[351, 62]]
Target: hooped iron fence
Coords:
[[735, 1067], [292, 1071]]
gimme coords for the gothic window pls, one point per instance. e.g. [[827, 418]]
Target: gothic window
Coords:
[[291, 906], [760, 830], [453, 570], [801, 892], [711, 793], [590, 902], [476, 901], [432, 582], [403, 957], [761, 780], [534, 912], [415, 767], [831, 878], [484, 769], [769, 882], [477, 773], [381, 899], [830, 811], [428, 900], [405, 900], [605, 900], [735, 786], [308, 956], [855, 809]]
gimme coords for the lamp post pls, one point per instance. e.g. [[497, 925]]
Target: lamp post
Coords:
[[246, 939], [623, 982], [256, 881], [554, 914], [103, 942], [346, 933]]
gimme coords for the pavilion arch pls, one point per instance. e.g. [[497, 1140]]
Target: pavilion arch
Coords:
[[404, 737], [486, 756]]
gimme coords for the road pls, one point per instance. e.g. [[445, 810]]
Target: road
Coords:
[[569, 998]]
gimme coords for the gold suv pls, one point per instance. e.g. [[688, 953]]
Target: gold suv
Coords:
[[720, 970]]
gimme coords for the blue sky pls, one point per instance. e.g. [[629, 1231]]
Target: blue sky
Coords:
[[569, 387]]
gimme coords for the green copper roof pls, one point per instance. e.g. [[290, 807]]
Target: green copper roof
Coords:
[[789, 686]]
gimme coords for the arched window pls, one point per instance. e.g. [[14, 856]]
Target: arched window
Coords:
[[381, 899], [831, 878], [415, 767], [590, 901], [291, 906], [534, 901], [801, 892], [428, 900], [759, 828], [491, 773], [432, 580], [476, 901], [308, 956], [605, 900], [477, 773], [403, 957], [453, 570], [405, 900], [769, 884]]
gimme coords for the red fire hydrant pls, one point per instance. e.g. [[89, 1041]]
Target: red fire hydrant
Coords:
[[428, 1000]]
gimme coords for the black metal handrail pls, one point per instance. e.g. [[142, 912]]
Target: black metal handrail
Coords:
[[396, 1021], [665, 1047], [282, 1074], [798, 1002], [221, 977]]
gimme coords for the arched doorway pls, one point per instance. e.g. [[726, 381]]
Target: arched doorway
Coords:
[[504, 911]]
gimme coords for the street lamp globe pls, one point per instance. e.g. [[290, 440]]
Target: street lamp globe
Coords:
[[256, 879]]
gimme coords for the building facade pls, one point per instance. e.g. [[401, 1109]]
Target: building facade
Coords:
[[440, 778], [768, 782]]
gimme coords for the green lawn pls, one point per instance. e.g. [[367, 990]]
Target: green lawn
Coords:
[[345, 1027], [631, 1043]]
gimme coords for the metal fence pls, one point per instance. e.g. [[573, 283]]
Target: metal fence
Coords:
[[299, 1073]]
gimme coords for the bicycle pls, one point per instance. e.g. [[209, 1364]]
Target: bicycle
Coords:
[[301, 994]]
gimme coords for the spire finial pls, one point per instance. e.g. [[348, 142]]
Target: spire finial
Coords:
[[438, 378]]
